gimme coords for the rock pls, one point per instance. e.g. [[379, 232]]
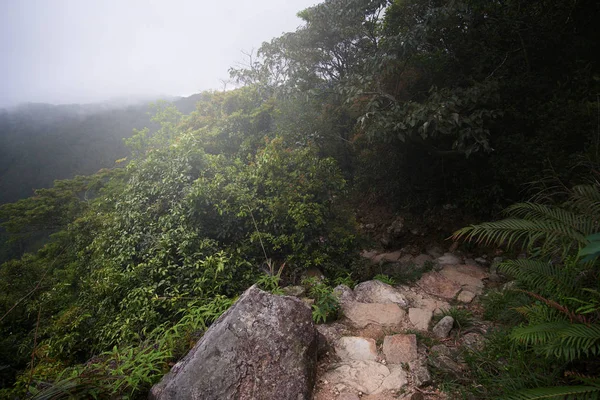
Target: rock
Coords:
[[473, 341], [348, 396], [400, 348], [344, 294], [395, 380], [420, 318], [421, 259], [420, 373], [378, 292], [460, 275], [440, 358], [369, 226], [396, 229], [472, 270], [263, 347], [435, 251], [296, 291], [465, 296], [482, 261], [363, 314], [388, 257], [448, 259], [366, 376], [438, 285], [370, 255], [356, 348], [405, 259], [329, 334], [443, 327]]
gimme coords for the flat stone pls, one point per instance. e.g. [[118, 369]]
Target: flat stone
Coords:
[[473, 270], [448, 259], [420, 318], [356, 348], [400, 348], [443, 327], [363, 314], [329, 334], [465, 296], [465, 280], [437, 284], [395, 380], [378, 292], [348, 396], [388, 257], [420, 373], [362, 376]]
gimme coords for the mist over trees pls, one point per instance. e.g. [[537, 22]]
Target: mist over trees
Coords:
[[409, 105]]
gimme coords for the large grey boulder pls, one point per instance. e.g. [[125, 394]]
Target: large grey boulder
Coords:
[[264, 347]]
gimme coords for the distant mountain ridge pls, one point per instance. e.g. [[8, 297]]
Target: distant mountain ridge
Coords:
[[41, 142]]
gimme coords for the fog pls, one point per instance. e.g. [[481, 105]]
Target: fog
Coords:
[[74, 51]]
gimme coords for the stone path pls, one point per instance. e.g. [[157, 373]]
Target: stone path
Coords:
[[373, 352]]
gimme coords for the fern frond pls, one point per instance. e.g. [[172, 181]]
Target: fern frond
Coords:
[[539, 334], [539, 275], [557, 392], [538, 212], [553, 235], [577, 341], [585, 199]]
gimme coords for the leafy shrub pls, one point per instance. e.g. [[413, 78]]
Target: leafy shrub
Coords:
[[385, 279], [326, 305]]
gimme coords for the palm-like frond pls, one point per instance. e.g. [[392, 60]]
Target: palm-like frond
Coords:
[[552, 235], [585, 199], [542, 276], [580, 223], [561, 339], [557, 392]]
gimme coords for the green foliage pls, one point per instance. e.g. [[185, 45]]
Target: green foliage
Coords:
[[326, 305], [562, 316], [345, 280], [501, 306], [385, 279], [463, 318]]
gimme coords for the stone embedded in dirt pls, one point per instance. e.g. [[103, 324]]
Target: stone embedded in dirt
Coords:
[[421, 259], [396, 229], [420, 373], [348, 396], [457, 274], [395, 380], [356, 348], [363, 314], [443, 327], [438, 285], [378, 292], [263, 347], [420, 318], [465, 296], [344, 294], [473, 341], [473, 270], [482, 261], [329, 334], [370, 255], [400, 348], [388, 257], [448, 259], [440, 357], [366, 376]]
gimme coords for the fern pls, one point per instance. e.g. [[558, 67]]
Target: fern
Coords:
[[557, 392]]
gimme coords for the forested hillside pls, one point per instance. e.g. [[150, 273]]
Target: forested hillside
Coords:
[[407, 105]]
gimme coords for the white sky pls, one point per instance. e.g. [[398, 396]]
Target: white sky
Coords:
[[77, 51]]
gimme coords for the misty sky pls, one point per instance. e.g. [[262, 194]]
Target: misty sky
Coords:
[[75, 51]]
